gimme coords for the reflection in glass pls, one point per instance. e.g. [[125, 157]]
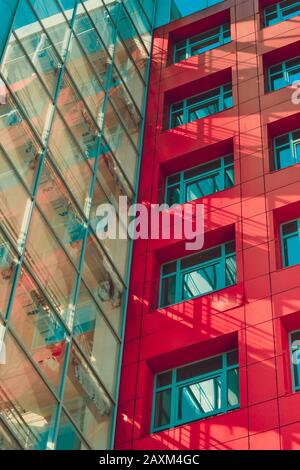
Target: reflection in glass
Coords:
[[87, 402], [27, 405], [39, 328], [96, 338]]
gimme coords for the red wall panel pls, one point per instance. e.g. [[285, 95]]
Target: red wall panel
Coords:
[[259, 312]]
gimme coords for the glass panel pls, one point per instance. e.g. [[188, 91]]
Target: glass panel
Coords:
[[296, 336], [15, 203], [74, 168], [230, 271], [169, 268], [92, 45], [126, 110], [140, 21], [128, 71], [204, 187], [277, 81], [198, 399], [200, 281], [78, 118], [284, 157], [292, 250], [39, 328], [115, 247], [233, 387], [202, 257], [164, 379], [60, 211], [120, 143], [291, 227], [68, 438], [7, 441], [27, 87], [102, 22], [136, 49], [103, 281], [232, 358], [112, 178], [57, 28], [199, 368], [85, 79], [173, 195], [296, 373], [168, 291], [163, 408], [96, 338], [202, 169], [229, 177], [42, 55], [202, 110], [17, 140], [86, 401], [27, 406], [51, 265], [8, 264]]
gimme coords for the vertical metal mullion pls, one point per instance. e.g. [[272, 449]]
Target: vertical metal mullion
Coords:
[[182, 197], [185, 112], [178, 283], [224, 384], [174, 399], [223, 267], [223, 172]]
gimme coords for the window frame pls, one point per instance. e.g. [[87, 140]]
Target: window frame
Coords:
[[185, 181], [283, 237], [181, 272], [292, 350], [285, 71], [175, 387], [192, 41], [292, 144], [186, 108], [279, 13]]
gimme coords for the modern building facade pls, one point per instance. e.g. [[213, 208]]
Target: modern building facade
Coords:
[[73, 78], [212, 337], [149, 345]]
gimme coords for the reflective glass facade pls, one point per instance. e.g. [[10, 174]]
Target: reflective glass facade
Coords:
[[72, 95]]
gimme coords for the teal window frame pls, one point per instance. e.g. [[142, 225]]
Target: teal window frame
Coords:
[[278, 12], [295, 368], [286, 234], [174, 273], [219, 172], [174, 385], [284, 72], [195, 45], [289, 143], [220, 98]]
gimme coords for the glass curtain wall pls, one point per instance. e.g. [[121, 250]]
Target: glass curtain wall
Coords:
[[72, 87]]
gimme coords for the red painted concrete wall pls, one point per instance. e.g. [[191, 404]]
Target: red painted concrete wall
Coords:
[[257, 313]]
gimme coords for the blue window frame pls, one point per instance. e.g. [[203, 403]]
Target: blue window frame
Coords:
[[290, 241], [287, 149], [200, 43], [280, 11], [198, 274], [200, 181], [295, 359], [283, 74], [200, 106], [196, 391]]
